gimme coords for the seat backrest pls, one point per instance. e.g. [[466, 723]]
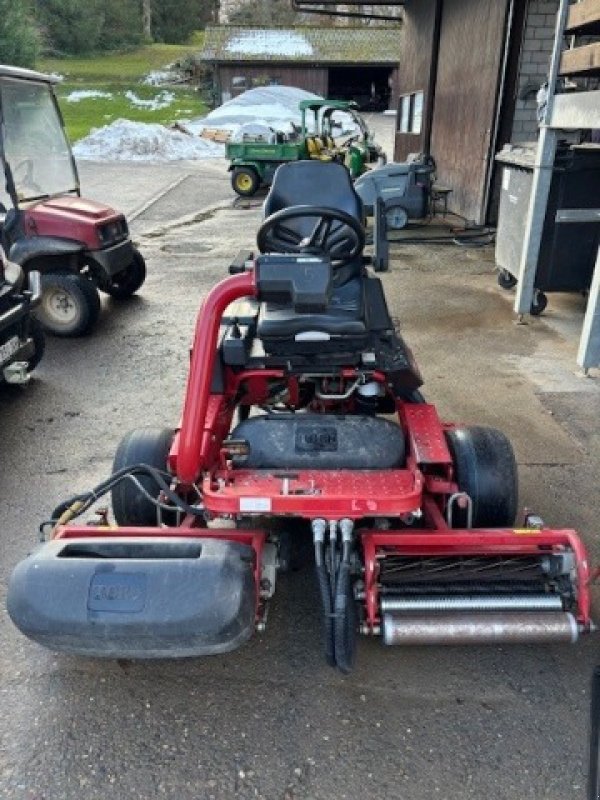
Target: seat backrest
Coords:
[[316, 183], [312, 147]]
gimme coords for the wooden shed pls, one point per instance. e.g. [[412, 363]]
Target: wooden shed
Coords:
[[468, 78], [342, 63]]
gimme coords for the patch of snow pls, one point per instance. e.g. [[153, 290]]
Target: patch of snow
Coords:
[[275, 106], [162, 100], [124, 140], [277, 43], [85, 94], [158, 77]]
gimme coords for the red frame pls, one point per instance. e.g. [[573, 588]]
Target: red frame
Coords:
[[423, 486]]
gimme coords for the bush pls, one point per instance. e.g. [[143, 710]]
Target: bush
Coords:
[[71, 26], [172, 21], [18, 34], [122, 24]]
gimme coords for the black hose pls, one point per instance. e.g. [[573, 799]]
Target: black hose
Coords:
[[325, 592], [344, 618], [87, 499]]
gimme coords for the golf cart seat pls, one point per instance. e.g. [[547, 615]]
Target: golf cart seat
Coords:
[[302, 185]]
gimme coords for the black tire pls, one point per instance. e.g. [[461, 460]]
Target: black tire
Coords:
[[141, 446], [36, 331], [245, 181], [485, 468], [127, 282], [506, 279], [538, 304], [70, 304]]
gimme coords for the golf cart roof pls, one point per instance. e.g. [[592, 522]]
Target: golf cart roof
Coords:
[[26, 75], [334, 105]]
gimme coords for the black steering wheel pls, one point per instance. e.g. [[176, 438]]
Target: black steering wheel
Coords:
[[335, 233]]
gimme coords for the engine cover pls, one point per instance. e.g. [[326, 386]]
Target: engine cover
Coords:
[[320, 441]]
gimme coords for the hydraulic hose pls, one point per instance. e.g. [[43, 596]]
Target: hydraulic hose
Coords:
[[344, 615], [325, 592]]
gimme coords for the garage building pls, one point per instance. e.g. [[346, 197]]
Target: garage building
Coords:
[[342, 63]]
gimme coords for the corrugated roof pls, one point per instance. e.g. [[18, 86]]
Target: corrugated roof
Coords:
[[298, 45]]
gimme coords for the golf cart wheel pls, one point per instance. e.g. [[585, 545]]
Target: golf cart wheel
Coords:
[[129, 280], [506, 280], [70, 304], [245, 181], [141, 446], [538, 304], [486, 470], [36, 332]]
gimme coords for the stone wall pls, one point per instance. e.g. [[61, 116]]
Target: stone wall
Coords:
[[536, 50]]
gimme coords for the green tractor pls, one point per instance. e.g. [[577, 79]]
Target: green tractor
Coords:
[[253, 159]]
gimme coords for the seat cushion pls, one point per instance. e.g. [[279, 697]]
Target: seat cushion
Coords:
[[344, 316]]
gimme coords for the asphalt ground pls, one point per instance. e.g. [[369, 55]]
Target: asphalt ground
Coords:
[[272, 720]]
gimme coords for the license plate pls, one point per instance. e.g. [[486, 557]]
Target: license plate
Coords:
[[8, 349]]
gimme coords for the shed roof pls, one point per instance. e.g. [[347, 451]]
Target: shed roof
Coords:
[[297, 45]]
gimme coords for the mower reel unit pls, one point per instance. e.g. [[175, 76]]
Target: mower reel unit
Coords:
[[294, 368]]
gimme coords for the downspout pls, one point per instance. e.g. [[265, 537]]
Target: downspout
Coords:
[[508, 34], [435, 45]]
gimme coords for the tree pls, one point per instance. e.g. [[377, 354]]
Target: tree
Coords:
[[147, 19], [18, 34], [71, 26], [172, 21], [122, 25]]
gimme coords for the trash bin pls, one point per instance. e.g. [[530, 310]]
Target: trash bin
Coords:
[[568, 250]]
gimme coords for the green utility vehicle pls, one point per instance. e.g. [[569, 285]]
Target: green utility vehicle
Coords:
[[255, 158]]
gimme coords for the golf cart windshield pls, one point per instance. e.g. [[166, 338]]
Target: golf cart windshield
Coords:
[[36, 150]]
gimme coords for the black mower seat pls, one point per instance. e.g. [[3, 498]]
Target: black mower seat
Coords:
[[344, 316], [316, 183], [280, 327]]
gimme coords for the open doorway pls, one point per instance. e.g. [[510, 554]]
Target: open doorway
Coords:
[[368, 86]]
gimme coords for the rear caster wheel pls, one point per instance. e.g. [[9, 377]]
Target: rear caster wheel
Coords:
[[70, 304], [141, 446], [506, 279], [538, 304], [486, 470], [127, 282]]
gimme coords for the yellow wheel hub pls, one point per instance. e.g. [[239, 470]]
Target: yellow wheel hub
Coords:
[[244, 182]]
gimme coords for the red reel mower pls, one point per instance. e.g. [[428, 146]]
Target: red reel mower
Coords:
[[294, 370]]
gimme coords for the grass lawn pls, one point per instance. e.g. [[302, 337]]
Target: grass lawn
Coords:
[[115, 74]]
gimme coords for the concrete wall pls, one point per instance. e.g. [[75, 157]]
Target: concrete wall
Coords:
[[538, 38]]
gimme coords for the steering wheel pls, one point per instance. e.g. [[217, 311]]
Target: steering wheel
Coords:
[[335, 233]]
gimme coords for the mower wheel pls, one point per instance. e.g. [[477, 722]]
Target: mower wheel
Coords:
[[141, 446], [485, 468], [127, 282], [70, 304], [36, 332], [506, 280], [245, 181]]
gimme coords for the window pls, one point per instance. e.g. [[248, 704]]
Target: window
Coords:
[[410, 113]]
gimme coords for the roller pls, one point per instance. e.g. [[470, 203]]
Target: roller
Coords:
[[500, 602], [478, 628]]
